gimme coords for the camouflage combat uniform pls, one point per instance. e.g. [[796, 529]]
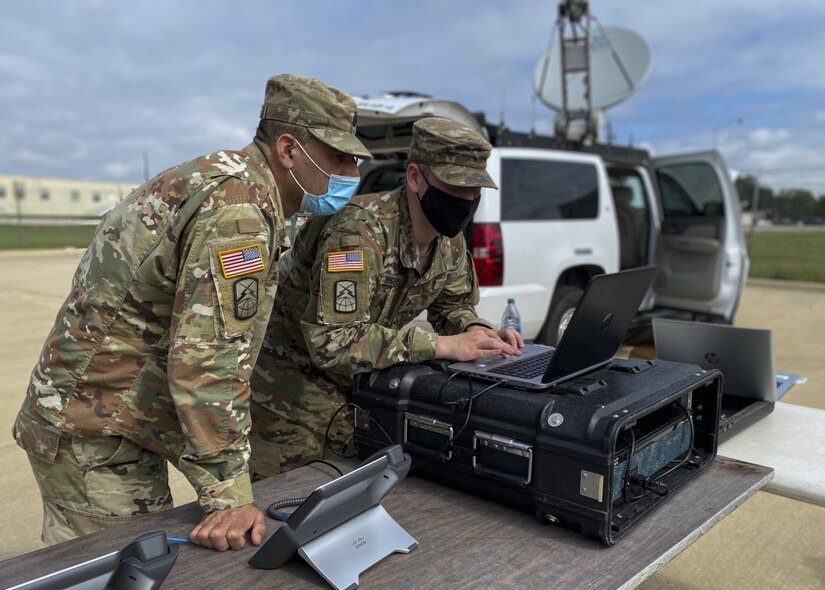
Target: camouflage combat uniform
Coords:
[[151, 354], [349, 288]]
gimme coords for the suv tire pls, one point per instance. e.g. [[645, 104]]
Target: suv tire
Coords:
[[564, 303]]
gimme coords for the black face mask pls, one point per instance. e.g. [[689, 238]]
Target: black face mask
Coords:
[[449, 215]]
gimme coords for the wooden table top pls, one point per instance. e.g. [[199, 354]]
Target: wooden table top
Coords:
[[464, 541]]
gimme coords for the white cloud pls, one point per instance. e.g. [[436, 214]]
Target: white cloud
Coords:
[[768, 137], [28, 156], [117, 170], [92, 85]]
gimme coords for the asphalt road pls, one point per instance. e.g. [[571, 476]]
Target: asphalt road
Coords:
[[769, 542]]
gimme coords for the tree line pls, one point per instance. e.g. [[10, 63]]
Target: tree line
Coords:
[[789, 205]]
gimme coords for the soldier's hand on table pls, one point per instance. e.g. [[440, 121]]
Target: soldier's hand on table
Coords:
[[477, 342], [224, 529]]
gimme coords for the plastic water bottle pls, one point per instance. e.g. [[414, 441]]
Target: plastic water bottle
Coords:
[[511, 318]]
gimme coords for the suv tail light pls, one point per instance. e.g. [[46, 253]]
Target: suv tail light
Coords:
[[488, 254]]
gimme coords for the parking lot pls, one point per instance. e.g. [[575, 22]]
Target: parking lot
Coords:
[[769, 542]]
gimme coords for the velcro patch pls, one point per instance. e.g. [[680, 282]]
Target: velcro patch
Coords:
[[349, 261], [233, 227], [241, 261], [346, 300]]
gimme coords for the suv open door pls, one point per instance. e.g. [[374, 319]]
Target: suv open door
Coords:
[[700, 251]]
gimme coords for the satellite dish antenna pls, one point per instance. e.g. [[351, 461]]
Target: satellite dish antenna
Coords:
[[620, 62], [588, 69]]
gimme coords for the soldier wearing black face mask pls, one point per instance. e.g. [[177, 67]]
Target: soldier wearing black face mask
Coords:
[[448, 215], [351, 285]]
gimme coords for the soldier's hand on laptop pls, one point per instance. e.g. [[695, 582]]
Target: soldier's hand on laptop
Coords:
[[477, 342], [507, 335], [512, 337]]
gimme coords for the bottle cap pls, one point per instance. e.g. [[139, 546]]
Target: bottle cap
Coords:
[[511, 300]]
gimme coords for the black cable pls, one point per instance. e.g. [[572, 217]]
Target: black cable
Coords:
[[626, 478], [272, 510], [275, 514], [486, 389], [328, 464], [455, 436], [328, 442], [648, 484], [459, 402], [378, 424], [470, 401]]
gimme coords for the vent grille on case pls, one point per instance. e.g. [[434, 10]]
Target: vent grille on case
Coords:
[[655, 456]]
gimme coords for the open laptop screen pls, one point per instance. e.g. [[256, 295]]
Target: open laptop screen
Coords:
[[743, 355]]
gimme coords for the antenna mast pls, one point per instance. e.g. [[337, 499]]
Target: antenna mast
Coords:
[[574, 33]]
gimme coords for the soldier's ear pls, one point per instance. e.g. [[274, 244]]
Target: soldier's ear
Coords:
[[285, 145], [413, 177]]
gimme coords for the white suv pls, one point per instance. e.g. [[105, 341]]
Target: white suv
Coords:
[[565, 212]]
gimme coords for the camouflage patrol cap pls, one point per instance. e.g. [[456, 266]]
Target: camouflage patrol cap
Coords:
[[328, 114], [456, 154]]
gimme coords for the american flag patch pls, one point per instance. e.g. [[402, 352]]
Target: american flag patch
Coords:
[[241, 261], [345, 261]]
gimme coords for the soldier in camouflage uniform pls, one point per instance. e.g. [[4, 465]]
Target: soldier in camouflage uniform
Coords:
[[151, 355], [352, 283]]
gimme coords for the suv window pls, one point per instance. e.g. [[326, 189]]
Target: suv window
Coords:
[[633, 181], [690, 190], [632, 214], [541, 189], [383, 131], [383, 180]]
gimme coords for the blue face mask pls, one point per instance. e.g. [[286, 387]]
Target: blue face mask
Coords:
[[340, 189]]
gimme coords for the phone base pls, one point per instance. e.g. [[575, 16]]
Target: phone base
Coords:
[[353, 547]]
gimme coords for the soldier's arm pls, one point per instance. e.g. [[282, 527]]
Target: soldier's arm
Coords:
[[340, 333], [453, 309], [220, 310]]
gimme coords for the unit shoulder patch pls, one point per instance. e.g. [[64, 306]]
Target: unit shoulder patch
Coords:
[[346, 300], [245, 298]]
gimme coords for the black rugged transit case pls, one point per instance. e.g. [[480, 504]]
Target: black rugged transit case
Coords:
[[560, 453]]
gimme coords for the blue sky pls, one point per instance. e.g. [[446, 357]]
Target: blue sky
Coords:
[[89, 85]]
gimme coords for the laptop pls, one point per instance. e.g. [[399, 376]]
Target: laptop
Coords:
[[743, 355], [595, 332]]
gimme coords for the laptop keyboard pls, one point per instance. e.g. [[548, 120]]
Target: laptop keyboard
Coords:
[[525, 368]]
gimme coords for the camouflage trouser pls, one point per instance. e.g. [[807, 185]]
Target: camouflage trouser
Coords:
[[89, 484], [281, 444]]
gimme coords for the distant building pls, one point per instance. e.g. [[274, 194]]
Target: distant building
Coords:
[[32, 196]]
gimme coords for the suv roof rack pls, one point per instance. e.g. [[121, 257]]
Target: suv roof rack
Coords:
[[504, 137]]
